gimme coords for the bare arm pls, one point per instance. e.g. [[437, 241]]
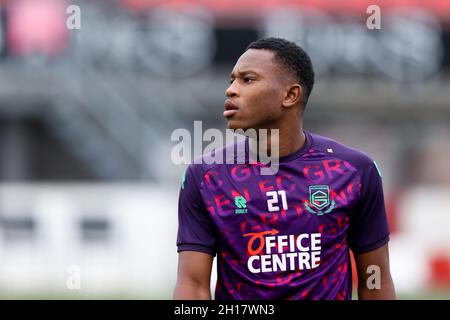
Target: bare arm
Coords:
[[374, 276], [194, 276]]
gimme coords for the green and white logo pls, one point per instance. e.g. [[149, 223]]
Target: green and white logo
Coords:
[[319, 200], [241, 204]]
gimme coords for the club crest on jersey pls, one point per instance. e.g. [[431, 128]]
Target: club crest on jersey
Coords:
[[319, 200]]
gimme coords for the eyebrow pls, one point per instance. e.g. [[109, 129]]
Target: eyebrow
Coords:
[[244, 72]]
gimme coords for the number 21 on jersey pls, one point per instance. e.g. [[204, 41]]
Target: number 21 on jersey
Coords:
[[273, 200]]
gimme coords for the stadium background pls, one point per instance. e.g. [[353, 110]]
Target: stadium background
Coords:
[[87, 186]]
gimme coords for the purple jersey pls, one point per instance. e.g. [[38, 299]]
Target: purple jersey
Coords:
[[288, 235]]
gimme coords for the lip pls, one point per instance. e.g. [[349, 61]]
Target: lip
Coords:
[[230, 105], [230, 109]]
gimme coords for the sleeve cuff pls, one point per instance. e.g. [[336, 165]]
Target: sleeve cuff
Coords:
[[196, 247], [371, 247]]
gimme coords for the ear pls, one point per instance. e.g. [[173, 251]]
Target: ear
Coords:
[[293, 95]]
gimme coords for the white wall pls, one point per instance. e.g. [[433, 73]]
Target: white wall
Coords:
[[139, 260]]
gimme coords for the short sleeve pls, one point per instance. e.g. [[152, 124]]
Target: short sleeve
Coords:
[[196, 231], [368, 223]]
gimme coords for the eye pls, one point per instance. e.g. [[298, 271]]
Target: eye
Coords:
[[247, 79], [231, 81]]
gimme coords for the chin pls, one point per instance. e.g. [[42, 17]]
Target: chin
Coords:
[[235, 125]]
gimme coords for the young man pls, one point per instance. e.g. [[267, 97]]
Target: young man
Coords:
[[288, 235]]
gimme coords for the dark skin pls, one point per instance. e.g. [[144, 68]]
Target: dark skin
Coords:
[[267, 98], [378, 257]]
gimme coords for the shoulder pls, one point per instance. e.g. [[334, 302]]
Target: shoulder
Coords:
[[228, 154], [335, 149]]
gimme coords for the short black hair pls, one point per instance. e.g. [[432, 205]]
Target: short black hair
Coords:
[[292, 57]]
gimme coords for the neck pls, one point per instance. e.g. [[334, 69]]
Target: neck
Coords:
[[290, 139]]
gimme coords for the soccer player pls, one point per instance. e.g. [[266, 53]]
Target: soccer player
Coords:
[[287, 235]]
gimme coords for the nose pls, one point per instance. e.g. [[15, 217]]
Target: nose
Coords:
[[232, 90]]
